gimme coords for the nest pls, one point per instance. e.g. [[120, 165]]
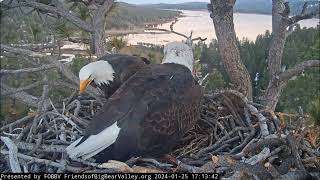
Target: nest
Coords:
[[234, 137]]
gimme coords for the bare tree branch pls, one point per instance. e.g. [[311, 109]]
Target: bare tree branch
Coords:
[[166, 30], [59, 10], [77, 40], [13, 151], [304, 8], [28, 70], [33, 85], [177, 33], [44, 102], [298, 69], [35, 47], [16, 122], [21, 96], [81, 1], [303, 15], [44, 161], [54, 64], [20, 51], [199, 38]]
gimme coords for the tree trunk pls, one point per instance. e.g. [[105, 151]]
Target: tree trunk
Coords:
[[98, 42], [279, 29], [222, 16], [98, 39]]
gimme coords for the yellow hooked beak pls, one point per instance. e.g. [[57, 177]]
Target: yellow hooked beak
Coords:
[[84, 85]]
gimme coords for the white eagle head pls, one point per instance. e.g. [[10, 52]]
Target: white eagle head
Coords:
[[178, 53], [101, 72]]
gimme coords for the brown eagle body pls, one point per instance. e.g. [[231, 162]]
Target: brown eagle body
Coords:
[[124, 67], [146, 116]]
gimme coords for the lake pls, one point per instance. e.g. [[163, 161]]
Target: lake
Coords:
[[246, 25]]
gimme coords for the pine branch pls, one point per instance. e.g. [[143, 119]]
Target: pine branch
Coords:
[[59, 10]]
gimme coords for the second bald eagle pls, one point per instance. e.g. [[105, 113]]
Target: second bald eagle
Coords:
[[110, 71], [148, 115]]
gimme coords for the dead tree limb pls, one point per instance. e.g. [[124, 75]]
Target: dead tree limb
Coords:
[[59, 10], [33, 85], [20, 51], [298, 69], [22, 120], [41, 148], [188, 38], [28, 70], [13, 151], [24, 97], [44, 161], [303, 14]]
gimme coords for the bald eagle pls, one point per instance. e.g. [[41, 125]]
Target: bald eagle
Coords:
[[148, 115], [109, 72]]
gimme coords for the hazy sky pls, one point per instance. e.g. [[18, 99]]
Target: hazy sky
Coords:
[[160, 1]]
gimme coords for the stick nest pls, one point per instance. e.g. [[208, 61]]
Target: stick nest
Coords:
[[234, 137]]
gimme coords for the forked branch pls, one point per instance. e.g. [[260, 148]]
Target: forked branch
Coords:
[[189, 38]]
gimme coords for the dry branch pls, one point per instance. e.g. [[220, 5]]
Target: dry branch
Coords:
[[33, 85], [13, 159], [20, 51], [41, 148], [22, 120], [298, 69], [188, 38], [21, 96], [303, 15], [28, 70], [59, 10]]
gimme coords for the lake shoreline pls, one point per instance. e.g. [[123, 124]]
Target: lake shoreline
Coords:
[[242, 12], [247, 25]]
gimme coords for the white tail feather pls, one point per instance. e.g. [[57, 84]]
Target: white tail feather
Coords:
[[94, 144]]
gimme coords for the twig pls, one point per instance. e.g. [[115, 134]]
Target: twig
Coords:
[[265, 153], [28, 70], [44, 161], [293, 144], [19, 121], [262, 120], [41, 148], [13, 151]]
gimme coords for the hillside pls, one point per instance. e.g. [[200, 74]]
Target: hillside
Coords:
[[241, 6], [122, 16], [129, 16]]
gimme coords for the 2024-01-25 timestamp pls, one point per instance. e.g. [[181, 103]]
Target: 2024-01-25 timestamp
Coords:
[[185, 176]]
